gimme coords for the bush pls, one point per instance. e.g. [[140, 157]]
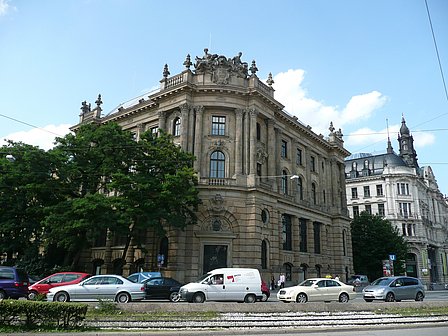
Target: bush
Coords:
[[34, 314]]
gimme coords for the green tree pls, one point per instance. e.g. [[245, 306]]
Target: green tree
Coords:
[[27, 186], [88, 161], [161, 190], [374, 239], [111, 182]]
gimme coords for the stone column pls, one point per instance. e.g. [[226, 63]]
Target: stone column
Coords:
[[191, 125], [184, 109], [162, 120], [238, 142], [277, 160], [252, 142], [198, 138], [271, 145], [246, 136]]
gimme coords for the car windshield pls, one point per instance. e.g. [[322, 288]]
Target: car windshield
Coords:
[[308, 283], [202, 278], [382, 282]]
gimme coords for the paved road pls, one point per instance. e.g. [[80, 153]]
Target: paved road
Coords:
[[441, 295]]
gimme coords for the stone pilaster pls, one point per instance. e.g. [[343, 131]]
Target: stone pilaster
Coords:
[[198, 139], [238, 142]]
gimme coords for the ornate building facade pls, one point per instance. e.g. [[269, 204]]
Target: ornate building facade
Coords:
[[272, 190], [395, 187]]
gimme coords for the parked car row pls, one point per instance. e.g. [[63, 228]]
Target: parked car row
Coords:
[[225, 284]]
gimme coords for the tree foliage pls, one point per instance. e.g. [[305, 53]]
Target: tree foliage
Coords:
[[26, 188], [99, 179], [374, 239]]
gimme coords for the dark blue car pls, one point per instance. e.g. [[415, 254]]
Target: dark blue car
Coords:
[[14, 283]]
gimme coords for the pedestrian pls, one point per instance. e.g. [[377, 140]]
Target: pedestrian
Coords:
[[336, 277], [281, 280], [272, 282]]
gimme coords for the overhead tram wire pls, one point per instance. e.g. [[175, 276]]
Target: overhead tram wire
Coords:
[[437, 49], [28, 124]]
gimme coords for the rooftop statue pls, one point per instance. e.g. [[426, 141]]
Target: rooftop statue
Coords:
[[221, 67]]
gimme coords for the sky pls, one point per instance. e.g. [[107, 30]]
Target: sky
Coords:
[[361, 64]]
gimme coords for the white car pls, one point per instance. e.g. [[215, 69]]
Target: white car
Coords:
[[99, 287], [317, 289]]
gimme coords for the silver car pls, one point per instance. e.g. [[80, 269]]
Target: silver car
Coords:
[[396, 288], [99, 287]]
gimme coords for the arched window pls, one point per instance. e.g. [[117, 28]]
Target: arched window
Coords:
[[288, 271], [264, 254], [284, 183], [287, 232], [300, 188], [217, 164], [176, 126], [313, 193]]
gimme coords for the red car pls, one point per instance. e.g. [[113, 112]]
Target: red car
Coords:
[[55, 280]]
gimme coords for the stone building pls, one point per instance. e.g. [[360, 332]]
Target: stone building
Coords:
[[272, 190], [395, 187]]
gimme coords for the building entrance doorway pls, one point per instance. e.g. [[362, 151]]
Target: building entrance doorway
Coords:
[[215, 256]]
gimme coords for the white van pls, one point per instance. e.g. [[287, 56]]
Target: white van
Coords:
[[224, 284]]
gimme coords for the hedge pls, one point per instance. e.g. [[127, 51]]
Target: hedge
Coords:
[[38, 313]]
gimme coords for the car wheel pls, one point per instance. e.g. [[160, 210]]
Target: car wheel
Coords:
[[344, 298], [368, 300], [419, 296], [250, 298], [390, 297], [3, 295], [301, 298], [174, 297], [264, 297], [32, 295], [61, 297], [123, 298], [198, 298]]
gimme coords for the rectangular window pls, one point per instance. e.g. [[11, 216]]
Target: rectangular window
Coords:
[[405, 210], [155, 131], [410, 233], [369, 209], [355, 211], [381, 211], [299, 157], [316, 228], [366, 191], [354, 193], [218, 125], [403, 228], [303, 235], [284, 151], [403, 188], [313, 163], [379, 190], [287, 234]]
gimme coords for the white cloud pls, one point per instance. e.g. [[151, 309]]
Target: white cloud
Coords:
[[5, 7], [42, 137], [290, 92], [361, 107], [367, 140]]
